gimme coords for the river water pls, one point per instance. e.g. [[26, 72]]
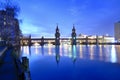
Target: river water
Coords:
[[64, 62]]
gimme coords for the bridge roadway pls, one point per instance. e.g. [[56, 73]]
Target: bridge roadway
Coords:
[[60, 38], [102, 41], [52, 40]]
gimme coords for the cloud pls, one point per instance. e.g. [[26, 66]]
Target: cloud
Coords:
[[78, 7], [28, 28], [89, 15], [74, 11]]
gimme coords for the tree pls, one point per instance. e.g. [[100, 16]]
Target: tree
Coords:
[[10, 4], [5, 33], [11, 31]]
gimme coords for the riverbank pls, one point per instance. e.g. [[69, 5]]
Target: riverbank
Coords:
[[2, 51], [11, 67]]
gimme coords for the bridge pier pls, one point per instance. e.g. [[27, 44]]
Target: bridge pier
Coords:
[[97, 40], [29, 41], [86, 40]]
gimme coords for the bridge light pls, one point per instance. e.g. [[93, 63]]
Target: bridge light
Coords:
[[36, 44], [73, 37]]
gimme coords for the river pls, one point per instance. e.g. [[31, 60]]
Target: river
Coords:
[[67, 62]]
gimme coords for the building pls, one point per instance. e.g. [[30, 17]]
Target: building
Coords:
[[9, 26], [93, 38], [117, 31]]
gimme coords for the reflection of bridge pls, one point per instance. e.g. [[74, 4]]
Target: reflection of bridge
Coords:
[[87, 40]]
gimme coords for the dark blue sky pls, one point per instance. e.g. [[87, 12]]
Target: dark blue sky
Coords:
[[91, 17]]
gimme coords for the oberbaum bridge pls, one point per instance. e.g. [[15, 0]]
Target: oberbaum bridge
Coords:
[[28, 41]]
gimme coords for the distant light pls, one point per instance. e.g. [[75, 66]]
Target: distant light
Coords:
[[107, 35], [36, 44], [74, 37]]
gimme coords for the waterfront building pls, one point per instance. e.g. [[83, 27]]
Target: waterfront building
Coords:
[[94, 38], [117, 31], [9, 25], [57, 50]]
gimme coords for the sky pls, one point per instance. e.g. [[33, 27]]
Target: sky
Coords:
[[90, 17]]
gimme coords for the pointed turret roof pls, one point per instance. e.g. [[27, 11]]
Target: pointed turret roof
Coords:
[[73, 27], [57, 27]]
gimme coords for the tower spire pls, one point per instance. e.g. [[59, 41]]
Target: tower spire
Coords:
[[73, 30], [73, 25]]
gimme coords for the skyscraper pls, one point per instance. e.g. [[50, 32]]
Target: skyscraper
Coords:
[[117, 31]]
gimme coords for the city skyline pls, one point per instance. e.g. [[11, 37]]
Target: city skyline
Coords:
[[91, 17]]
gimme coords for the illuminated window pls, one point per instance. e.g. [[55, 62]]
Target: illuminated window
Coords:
[[4, 23], [74, 38]]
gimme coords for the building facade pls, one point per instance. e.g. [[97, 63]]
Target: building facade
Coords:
[[9, 26], [117, 31], [96, 39]]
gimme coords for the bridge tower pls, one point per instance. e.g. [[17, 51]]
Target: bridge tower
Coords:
[[86, 40], [73, 36], [57, 36]]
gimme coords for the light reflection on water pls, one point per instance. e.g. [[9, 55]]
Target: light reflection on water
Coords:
[[106, 53]]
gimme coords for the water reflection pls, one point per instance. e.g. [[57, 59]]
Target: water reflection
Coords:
[[57, 54], [117, 49], [30, 50], [70, 52], [81, 53], [66, 47], [26, 49], [61, 49], [42, 50], [49, 50], [109, 53], [91, 50], [113, 54], [86, 51], [100, 52], [36, 49], [74, 53]]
